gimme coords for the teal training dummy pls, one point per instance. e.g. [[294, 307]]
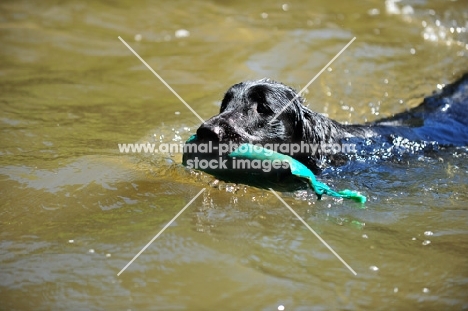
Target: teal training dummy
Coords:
[[255, 152]]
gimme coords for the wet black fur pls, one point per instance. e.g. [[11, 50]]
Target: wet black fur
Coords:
[[248, 107]]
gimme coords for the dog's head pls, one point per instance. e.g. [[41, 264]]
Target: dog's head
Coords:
[[262, 111]]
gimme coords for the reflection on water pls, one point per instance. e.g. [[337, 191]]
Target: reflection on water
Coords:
[[74, 210]]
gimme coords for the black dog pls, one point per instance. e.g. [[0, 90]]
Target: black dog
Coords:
[[267, 112]]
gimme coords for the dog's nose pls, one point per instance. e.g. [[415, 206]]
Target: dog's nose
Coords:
[[207, 132]]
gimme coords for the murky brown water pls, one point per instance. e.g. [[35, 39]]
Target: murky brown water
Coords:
[[74, 210]]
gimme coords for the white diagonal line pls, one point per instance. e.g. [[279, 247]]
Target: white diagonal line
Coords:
[[313, 79], [161, 79], [312, 230], [160, 232]]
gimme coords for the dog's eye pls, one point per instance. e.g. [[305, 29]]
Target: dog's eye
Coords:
[[258, 95], [262, 108], [226, 100]]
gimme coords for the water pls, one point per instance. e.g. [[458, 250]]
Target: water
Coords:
[[75, 211]]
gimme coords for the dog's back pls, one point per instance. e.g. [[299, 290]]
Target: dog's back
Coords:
[[441, 118]]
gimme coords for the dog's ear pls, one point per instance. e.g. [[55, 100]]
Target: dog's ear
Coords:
[[285, 99], [310, 128], [317, 128]]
